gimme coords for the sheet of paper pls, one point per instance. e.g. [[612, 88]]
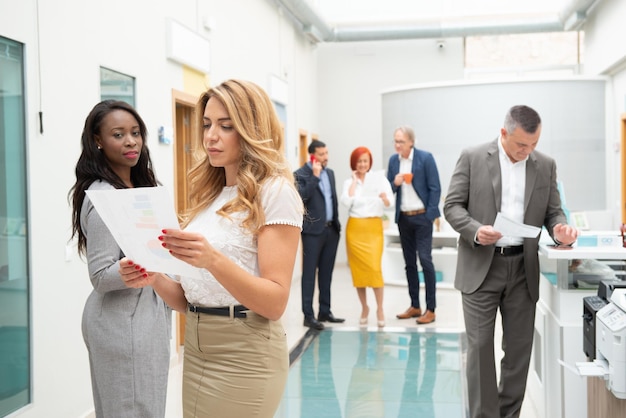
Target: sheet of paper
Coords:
[[373, 179], [135, 218], [510, 228]]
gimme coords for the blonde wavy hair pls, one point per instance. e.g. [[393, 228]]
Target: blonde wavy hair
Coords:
[[261, 140]]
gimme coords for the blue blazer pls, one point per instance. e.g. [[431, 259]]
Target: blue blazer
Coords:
[[315, 208], [425, 181]]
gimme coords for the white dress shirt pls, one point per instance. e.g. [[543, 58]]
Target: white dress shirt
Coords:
[[410, 199], [513, 188]]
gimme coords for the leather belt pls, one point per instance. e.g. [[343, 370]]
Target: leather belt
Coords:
[[238, 311], [328, 224], [413, 212], [507, 251]]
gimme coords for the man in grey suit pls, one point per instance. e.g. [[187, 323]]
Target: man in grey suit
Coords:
[[501, 272]]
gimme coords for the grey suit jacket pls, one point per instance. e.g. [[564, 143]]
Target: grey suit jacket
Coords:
[[474, 199]]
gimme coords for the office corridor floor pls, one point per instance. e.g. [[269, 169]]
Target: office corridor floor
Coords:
[[346, 372], [349, 371]]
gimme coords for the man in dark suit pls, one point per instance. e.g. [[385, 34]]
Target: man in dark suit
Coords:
[[320, 233], [414, 179], [501, 272]]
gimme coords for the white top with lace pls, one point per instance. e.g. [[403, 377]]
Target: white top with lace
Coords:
[[282, 205]]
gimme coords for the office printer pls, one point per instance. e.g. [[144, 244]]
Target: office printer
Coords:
[[611, 342], [591, 306]]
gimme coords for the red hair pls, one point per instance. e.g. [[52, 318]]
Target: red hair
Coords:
[[356, 154]]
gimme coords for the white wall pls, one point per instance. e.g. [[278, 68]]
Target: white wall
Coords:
[[352, 76], [605, 53], [66, 42]]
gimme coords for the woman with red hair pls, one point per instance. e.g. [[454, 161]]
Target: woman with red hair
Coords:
[[366, 194]]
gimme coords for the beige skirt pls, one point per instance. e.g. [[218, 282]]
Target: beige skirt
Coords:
[[364, 248], [233, 367]]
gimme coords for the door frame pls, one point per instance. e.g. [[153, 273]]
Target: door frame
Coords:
[[185, 127]]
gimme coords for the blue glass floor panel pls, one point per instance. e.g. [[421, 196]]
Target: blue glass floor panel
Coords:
[[350, 373]]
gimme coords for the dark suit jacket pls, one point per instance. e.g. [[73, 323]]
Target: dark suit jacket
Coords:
[[313, 198], [425, 181], [474, 199]]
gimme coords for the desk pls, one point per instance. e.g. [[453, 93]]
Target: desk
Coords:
[[555, 390], [444, 257]]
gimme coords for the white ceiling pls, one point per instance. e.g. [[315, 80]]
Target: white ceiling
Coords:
[[360, 20], [359, 12]]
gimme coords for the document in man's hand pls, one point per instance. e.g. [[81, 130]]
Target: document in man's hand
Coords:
[[135, 218], [511, 228]]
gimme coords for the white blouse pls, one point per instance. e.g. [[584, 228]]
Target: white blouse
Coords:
[[366, 202], [282, 205]]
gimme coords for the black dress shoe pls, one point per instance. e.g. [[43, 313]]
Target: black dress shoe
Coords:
[[330, 318], [311, 322]]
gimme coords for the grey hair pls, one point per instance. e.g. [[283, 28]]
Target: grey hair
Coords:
[[524, 117], [408, 131]]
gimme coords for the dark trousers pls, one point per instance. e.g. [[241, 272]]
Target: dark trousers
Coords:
[[416, 238], [318, 255]]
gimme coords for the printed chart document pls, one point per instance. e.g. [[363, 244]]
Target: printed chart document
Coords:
[[510, 228], [135, 218]]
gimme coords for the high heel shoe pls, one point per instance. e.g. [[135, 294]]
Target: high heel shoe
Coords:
[[381, 318], [364, 313]]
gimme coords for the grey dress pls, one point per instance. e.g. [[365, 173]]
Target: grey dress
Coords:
[[127, 331]]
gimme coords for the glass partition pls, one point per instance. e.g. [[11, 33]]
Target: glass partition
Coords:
[[14, 276]]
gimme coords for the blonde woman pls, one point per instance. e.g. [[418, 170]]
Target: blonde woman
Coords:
[[366, 195], [242, 230]]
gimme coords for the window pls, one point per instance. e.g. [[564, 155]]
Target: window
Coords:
[[528, 54], [117, 86], [14, 280]]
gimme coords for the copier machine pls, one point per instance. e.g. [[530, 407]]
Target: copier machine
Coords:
[[611, 343]]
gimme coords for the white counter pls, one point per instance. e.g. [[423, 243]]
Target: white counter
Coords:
[[570, 253], [444, 257], [554, 389]]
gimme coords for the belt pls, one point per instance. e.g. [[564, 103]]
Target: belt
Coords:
[[328, 224], [413, 212], [238, 311], [507, 251]]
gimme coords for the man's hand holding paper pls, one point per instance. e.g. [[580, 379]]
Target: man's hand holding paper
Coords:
[[511, 228]]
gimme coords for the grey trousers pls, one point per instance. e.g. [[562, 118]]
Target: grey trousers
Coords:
[[504, 288]]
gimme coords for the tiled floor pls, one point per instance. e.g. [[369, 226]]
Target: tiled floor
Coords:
[[346, 360], [368, 373]]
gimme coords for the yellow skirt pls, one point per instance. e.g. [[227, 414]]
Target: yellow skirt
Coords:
[[364, 248]]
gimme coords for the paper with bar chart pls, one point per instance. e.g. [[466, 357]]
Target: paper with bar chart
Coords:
[[135, 218]]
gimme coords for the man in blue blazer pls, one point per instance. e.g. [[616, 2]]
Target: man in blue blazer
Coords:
[[320, 233], [501, 273], [414, 179]]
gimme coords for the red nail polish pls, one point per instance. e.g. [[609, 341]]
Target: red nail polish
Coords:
[[130, 262], [164, 245], [161, 238], [145, 275], [142, 270], [164, 231], [137, 267]]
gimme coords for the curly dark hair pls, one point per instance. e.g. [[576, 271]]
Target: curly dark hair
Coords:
[[92, 165]]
